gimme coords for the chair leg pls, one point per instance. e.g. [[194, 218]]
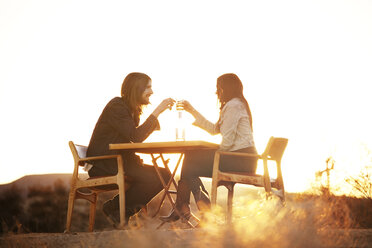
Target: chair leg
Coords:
[[70, 207], [280, 181], [122, 205], [216, 164], [267, 183], [214, 192], [230, 188], [92, 214]]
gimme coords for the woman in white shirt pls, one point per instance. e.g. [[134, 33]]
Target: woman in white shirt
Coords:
[[235, 126]]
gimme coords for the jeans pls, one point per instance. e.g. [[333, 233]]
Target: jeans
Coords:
[[143, 180], [199, 163]]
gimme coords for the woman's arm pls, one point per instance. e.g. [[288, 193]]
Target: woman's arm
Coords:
[[200, 121], [203, 123]]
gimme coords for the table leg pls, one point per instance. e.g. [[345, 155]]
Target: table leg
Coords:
[[165, 162], [166, 187]]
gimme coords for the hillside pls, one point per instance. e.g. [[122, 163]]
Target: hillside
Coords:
[[24, 183]]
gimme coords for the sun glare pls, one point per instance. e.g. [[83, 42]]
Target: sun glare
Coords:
[[305, 67]]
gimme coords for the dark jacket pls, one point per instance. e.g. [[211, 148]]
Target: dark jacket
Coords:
[[116, 125]]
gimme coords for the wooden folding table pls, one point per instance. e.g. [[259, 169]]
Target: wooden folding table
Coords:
[[157, 149]]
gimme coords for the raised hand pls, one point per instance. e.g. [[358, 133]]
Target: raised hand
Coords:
[[165, 104], [184, 104]]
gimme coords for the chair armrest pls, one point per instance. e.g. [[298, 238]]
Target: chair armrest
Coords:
[[98, 158], [239, 154]]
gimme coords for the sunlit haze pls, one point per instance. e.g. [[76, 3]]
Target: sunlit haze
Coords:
[[305, 65]]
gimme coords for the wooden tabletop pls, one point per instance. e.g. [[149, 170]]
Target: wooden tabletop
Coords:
[[165, 147]]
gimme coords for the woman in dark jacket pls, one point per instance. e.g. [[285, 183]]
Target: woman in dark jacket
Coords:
[[119, 123]]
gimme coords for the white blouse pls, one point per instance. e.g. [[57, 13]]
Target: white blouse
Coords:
[[234, 126]]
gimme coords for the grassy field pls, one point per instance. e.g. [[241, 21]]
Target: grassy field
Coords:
[[306, 220]]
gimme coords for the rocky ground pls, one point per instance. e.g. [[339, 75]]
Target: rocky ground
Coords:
[[168, 238]]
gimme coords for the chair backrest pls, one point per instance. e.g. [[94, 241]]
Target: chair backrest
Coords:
[[78, 151], [275, 148]]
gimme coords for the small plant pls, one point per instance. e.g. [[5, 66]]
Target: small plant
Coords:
[[362, 183]]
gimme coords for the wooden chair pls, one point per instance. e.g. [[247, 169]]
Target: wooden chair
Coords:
[[96, 185], [274, 151]]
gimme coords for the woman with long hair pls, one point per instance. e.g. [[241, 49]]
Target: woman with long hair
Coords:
[[235, 127]]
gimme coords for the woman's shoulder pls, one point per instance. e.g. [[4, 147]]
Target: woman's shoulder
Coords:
[[234, 103], [235, 106]]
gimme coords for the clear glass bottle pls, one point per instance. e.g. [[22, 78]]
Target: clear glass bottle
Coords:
[[180, 125]]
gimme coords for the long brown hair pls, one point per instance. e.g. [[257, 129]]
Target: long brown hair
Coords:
[[229, 86], [132, 88]]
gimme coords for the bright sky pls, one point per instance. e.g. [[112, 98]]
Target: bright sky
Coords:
[[306, 67]]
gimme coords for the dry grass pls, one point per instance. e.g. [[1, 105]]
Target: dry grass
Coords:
[[307, 220]]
